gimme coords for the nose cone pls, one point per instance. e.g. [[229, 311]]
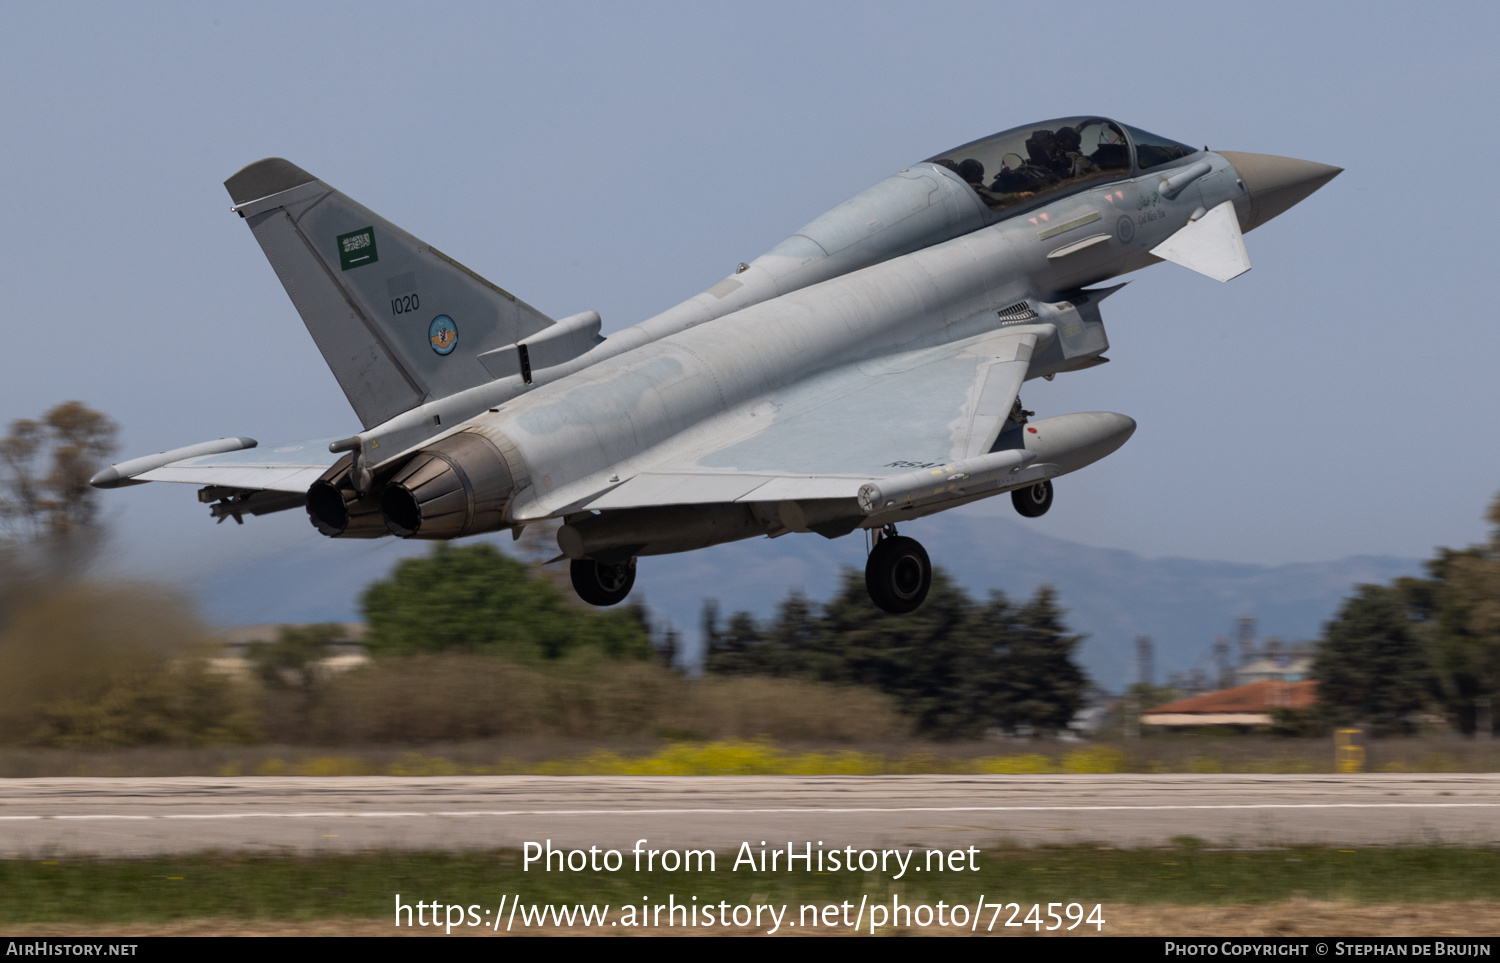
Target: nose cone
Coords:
[[1276, 183]]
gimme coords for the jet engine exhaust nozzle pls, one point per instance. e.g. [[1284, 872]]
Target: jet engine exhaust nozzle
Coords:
[[458, 486], [338, 511]]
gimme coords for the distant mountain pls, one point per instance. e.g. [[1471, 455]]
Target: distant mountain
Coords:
[[1111, 594]]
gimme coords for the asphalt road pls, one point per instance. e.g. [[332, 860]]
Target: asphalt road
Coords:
[[119, 817]]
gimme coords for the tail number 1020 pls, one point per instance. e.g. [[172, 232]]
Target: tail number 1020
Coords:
[[404, 304]]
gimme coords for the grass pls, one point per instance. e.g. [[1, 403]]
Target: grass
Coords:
[[365, 885], [675, 754]]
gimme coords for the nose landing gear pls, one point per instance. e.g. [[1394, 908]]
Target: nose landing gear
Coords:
[[898, 572]]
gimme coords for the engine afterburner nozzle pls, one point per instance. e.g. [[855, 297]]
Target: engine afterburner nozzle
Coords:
[[457, 486], [338, 510]]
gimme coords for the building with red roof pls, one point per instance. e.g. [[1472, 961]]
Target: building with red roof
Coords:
[[1245, 705]]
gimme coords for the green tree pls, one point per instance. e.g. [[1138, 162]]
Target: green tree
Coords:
[[662, 635], [292, 660], [1461, 602], [931, 660], [1039, 686], [49, 518], [955, 668], [734, 649], [1373, 666], [474, 598], [45, 468]]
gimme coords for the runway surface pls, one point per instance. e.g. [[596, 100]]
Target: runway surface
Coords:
[[132, 817]]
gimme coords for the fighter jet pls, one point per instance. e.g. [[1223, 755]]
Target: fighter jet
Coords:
[[865, 371]]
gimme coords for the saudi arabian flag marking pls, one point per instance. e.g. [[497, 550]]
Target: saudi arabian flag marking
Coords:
[[357, 248]]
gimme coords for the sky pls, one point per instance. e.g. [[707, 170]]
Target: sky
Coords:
[[1338, 400]]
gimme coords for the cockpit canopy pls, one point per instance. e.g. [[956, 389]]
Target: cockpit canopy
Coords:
[[1017, 166]]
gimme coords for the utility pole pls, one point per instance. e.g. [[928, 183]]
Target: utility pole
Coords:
[[1246, 631], [1144, 669], [1222, 663]]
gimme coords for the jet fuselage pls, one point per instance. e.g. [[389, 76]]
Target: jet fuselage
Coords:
[[864, 371], [700, 367]]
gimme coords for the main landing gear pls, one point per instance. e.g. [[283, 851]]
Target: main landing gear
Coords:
[[599, 583], [898, 572], [1033, 500]]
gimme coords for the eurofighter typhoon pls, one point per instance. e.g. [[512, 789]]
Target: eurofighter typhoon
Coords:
[[865, 371]]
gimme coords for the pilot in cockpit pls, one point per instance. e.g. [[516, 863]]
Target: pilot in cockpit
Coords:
[[1068, 154]]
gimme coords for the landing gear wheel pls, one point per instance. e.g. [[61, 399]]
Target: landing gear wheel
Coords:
[[898, 574], [600, 584], [1033, 500]]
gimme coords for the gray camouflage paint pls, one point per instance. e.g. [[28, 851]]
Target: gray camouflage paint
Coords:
[[680, 390], [881, 338]]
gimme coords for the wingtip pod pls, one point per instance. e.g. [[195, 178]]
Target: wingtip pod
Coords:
[[271, 175], [123, 473]]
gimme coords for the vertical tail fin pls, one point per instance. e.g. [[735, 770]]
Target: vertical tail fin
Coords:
[[399, 322]]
